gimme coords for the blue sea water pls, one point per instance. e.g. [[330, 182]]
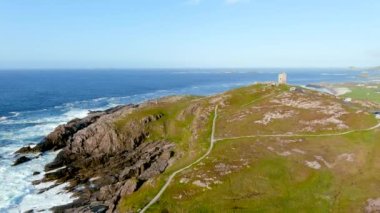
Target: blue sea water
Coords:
[[34, 102]]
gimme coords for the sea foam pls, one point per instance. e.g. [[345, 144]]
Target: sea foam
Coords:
[[3, 118]]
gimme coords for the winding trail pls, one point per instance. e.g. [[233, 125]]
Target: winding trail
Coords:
[[171, 177], [301, 135], [258, 99], [213, 141]]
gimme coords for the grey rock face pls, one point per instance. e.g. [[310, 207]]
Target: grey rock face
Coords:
[[101, 164]]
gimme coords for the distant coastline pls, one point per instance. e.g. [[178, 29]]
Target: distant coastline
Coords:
[[376, 68]]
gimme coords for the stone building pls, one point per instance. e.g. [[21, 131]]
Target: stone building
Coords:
[[282, 78]]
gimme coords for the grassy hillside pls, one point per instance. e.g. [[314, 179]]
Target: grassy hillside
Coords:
[[364, 92], [277, 150]]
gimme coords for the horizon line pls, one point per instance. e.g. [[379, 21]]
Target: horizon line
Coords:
[[176, 68]]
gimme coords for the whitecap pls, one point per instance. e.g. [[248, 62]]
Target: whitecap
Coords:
[[37, 202], [3, 118], [19, 195], [334, 74], [15, 114]]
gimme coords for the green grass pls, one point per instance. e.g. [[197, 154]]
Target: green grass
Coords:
[[276, 183], [174, 127], [260, 178], [267, 186], [238, 117], [364, 93]]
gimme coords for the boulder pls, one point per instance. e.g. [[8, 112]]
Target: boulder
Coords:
[[21, 160]]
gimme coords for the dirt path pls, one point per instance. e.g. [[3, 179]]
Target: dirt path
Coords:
[[213, 140], [258, 99], [301, 135], [171, 177]]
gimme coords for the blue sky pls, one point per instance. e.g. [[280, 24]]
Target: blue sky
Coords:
[[189, 33]]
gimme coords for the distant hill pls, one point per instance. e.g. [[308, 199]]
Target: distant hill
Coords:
[[374, 68], [377, 68]]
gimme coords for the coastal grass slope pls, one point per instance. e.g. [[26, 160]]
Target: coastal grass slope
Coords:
[[272, 174]]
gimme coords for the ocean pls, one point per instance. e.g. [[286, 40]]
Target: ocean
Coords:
[[34, 102]]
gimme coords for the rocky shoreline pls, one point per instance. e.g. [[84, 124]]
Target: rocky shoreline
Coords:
[[100, 163]]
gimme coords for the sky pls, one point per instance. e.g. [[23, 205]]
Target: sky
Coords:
[[189, 33]]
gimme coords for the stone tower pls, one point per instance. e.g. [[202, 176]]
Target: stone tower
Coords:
[[282, 78]]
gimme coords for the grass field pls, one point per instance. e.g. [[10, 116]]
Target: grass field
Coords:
[[259, 179], [278, 111], [263, 174], [365, 92]]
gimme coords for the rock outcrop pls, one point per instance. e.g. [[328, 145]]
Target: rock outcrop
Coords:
[[21, 160], [101, 163], [63, 133]]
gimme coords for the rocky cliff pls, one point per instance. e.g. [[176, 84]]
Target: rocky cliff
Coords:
[[100, 163]]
